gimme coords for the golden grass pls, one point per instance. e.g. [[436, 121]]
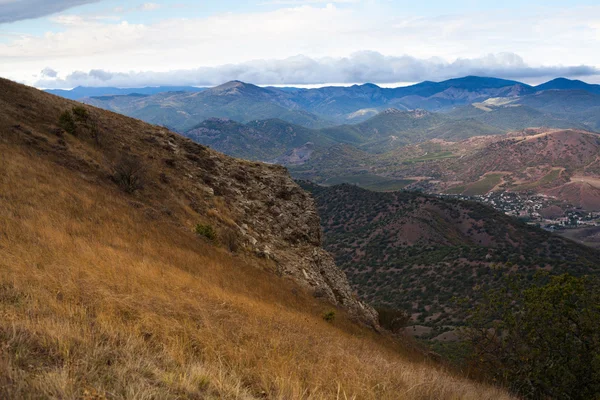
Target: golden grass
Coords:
[[98, 300]]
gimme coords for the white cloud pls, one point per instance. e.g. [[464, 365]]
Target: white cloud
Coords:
[[359, 67], [49, 73], [16, 10], [149, 6], [325, 34]]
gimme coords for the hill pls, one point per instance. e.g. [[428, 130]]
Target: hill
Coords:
[[106, 291], [416, 252], [540, 160], [264, 140], [82, 92], [568, 84], [512, 116], [182, 111]]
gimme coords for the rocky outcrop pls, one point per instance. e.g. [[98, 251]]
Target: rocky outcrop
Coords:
[[278, 220]]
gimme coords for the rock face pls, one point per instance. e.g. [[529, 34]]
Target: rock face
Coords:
[[256, 208], [278, 220]]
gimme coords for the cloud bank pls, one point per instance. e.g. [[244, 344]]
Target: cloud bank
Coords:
[[17, 10], [360, 67]]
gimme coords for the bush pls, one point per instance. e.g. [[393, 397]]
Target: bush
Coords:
[[67, 123], [229, 238], [129, 174], [81, 114], [391, 319], [329, 316], [207, 231]]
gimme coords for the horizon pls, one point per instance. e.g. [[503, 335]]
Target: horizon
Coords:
[[318, 86]]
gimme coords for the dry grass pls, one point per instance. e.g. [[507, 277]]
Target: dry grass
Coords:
[[96, 300]]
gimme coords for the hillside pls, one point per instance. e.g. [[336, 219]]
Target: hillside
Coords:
[[106, 291], [416, 252], [182, 111], [513, 116], [540, 160], [258, 140]]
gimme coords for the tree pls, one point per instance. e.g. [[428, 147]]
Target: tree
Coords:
[[541, 339]]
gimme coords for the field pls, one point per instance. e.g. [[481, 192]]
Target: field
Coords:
[[547, 179], [431, 157], [480, 187], [371, 182]]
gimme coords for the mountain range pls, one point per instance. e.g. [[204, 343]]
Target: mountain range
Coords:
[[322, 106], [386, 147]]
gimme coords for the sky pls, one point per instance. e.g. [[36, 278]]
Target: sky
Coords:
[[68, 43]]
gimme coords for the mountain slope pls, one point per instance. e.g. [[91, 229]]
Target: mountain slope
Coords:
[[239, 101], [539, 160], [258, 140], [568, 84], [416, 252], [82, 92]]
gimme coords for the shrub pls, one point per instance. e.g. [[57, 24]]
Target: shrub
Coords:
[[329, 316], [129, 174], [66, 122], [207, 231], [391, 319], [81, 114], [229, 238]]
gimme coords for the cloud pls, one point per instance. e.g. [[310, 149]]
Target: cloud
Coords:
[[360, 67], [216, 47], [49, 73], [149, 7], [16, 10]]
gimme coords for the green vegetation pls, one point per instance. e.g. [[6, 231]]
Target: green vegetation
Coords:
[[67, 122], [371, 182], [329, 316], [414, 252], [545, 180], [81, 114], [391, 319], [541, 339], [206, 231], [484, 185], [431, 157]]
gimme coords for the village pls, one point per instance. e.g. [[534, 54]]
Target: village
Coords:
[[544, 211]]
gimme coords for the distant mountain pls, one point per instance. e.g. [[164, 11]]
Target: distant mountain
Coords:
[[566, 102], [513, 116], [568, 84], [416, 252], [327, 106], [276, 140], [239, 101], [82, 92]]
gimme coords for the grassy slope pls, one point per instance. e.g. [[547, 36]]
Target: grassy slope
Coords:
[[101, 296]]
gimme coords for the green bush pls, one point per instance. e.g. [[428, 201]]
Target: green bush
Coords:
[[329, 316], [391, 319], [66, 122], [81, 114], [207, 231]]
